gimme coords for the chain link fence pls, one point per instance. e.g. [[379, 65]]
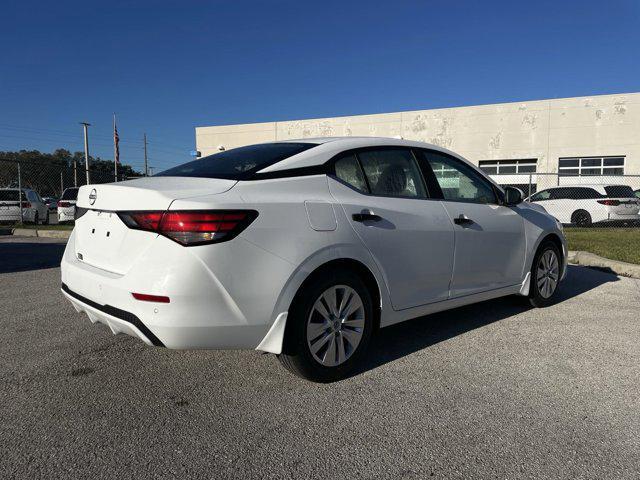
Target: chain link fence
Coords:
[[582, 200], [575, 200], [30, 191]]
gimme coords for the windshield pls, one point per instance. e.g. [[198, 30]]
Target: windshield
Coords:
[[620, 191], [70, 194], [238, 163]]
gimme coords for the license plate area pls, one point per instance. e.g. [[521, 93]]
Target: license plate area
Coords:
[[105, 242], [99, 238]]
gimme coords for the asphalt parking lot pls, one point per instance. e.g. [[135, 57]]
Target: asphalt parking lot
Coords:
[[495, 390]]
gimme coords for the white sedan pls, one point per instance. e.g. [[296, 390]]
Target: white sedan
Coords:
[[304, 248]]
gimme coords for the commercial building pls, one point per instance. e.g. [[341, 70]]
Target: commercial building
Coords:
[[531, 144]]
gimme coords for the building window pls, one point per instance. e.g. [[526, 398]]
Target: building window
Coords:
[[508, 167], [591, 166]]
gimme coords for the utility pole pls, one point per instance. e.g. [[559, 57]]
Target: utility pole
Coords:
[[75, 172], [146, 165], [116, 152], [86, 148]]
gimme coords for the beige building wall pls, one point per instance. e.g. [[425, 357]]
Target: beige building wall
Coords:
[[546, 130]]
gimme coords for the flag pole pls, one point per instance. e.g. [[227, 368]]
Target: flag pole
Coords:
[[116, 153]]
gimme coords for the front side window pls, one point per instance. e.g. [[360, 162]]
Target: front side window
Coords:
[[543, 195], [458, 181], [392, 172]]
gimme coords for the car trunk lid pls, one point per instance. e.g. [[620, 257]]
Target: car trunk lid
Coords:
[[104, 241]]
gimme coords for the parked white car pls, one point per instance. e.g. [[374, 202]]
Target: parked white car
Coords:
[[304, 248], [67, 205], [585, 205], [34, 210]]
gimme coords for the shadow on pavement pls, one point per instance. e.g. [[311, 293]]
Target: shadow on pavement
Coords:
[[25, 256], [408, 337]]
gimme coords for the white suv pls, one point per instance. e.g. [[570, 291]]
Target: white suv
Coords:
[[34, 209], [585, 205]]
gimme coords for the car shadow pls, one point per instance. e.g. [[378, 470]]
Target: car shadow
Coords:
[[25, 256], [405, 338]]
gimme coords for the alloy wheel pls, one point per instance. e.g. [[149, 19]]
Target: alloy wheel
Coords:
[[548, 273], [335, 325]]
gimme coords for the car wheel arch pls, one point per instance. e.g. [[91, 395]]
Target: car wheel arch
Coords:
[[350, 264], [555, 239], [276, 336]]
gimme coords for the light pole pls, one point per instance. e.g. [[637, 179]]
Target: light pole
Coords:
[[86, 148]]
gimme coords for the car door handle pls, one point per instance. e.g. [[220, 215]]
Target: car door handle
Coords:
[[462, 220], [366, 217]]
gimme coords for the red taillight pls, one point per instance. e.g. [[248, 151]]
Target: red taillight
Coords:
[[610, 203], [194, 227], [26, 205], [143, 297], [64, 204]]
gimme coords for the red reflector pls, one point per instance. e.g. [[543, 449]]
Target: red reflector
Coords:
[[64, 204], [150, 298], [26, 205], [611, 203]]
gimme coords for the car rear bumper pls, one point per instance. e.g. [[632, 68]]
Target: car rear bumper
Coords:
[[117, 320], [631, 217], [208, 309], [66, 216]]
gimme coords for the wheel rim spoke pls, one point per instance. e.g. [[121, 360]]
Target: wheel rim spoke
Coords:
[[342, 356], [329, 357], [318, 344], [353, 323], [314, 330], [332, 300]]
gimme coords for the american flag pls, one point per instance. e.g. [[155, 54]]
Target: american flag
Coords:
[[116, 142]]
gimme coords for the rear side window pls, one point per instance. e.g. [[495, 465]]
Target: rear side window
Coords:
[[392, 172], [70, 194], [10, 196], [619, 191], [238, 163], [348, 170]]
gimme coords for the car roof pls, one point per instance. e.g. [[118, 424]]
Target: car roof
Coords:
[[327, 147]]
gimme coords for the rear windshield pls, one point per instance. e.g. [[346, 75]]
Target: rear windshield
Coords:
[[238, 163], [620, 191], [10, 196], [70, 194]]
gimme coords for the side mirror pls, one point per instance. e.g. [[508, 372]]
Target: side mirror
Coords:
[[512, 196]]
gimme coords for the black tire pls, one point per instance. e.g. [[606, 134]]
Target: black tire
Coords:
[[36, 217], [536, 297], [46, 218], [581, 218], [297, 356]]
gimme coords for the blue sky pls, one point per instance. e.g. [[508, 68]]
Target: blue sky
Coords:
[[168, 66]]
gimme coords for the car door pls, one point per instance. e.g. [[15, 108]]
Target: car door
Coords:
[[409, 235], [489, 237]]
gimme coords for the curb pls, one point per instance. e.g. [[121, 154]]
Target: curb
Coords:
[[28, 232], [589, 259]]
